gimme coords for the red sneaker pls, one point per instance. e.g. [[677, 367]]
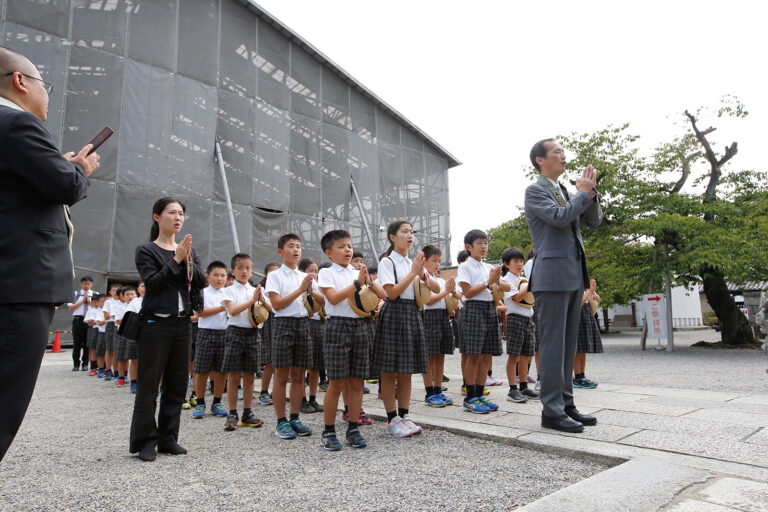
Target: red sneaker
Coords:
[[120, 382], [364, 419], [92, 373]]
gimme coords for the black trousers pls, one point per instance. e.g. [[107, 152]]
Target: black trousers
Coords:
[[79, 340], [23, 339], [163, 346]]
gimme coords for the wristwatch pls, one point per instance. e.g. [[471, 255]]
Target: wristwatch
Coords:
[[485, 283]]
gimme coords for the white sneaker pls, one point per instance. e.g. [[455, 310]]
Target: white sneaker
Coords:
[[490, 381], [398, 428], [498, 382], [537, 386], [415, 429]]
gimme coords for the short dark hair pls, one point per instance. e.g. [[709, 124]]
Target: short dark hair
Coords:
[[509, 254], [462, 256], [373, 270], [86, 278], [240, 256], [325, 264], [539, 150], [214, 265], [334, 236], [230, 275], [357, 254], [287, 238], [475, 234], [305, 263], [114, 285], [431, 250], [129, 288]]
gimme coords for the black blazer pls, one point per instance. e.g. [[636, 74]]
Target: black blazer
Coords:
[[35, 183], [164, 279]]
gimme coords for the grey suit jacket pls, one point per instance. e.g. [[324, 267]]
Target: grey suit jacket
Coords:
[[559, 263]]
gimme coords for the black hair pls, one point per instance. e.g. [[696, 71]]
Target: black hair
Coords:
[[272, 265], [392, 230], [214, 265], [325, 264], [509, 254], [287, 238], [157, 209], [357, 254], [431, 250], [239, 256], [305, 263], [120, 290], [86, 278], [114, 285], [373, 270], [129, 288], [462, 256], [475, 234], [230, 275], [539, 150], [333, 236]]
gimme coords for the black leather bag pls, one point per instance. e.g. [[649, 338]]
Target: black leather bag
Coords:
[[130, 325]]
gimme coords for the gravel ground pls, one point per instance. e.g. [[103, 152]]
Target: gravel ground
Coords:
[[72, 454]]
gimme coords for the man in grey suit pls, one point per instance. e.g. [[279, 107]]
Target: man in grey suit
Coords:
[[558, 277]]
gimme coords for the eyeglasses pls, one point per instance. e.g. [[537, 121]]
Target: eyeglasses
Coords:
[[48, 85], [481, 244]]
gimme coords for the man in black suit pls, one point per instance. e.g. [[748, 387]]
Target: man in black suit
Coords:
[[37, 185]]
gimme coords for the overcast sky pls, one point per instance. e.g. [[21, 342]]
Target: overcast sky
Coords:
[[488, 79]]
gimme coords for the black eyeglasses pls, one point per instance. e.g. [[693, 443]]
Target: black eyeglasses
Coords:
[[48, 85]]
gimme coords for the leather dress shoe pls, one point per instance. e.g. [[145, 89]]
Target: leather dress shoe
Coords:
[[563, 424], [584, 419], [172, 448], [148, 453]]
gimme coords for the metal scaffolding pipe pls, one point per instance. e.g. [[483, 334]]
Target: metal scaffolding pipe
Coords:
[[227, 199], [364, 218]]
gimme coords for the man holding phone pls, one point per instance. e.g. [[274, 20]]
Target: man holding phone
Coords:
[[37, 186]]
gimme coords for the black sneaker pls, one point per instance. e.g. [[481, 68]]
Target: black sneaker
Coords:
[[530, 394], [516, 396], [76, 368], [330, 442], [316, 406], [306, 408], [355, 439], [231, 423], [84, 367], [250, 420], [446, 379]]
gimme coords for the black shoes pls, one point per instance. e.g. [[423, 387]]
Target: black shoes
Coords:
[[84, 367], [172, 448], [148, 453], [584, 419], [563, 424], [76, 368]]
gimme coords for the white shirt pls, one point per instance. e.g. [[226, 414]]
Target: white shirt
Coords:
[[109, 307], [387, 276], [285, 281], [557, 186], [238, 293], [441, 303], [527, 268], [473, 273], [135, 305], [79, 294], [338, 278], [119, 309], [512, 306], [8, 103], [212, 299], [92, 314]]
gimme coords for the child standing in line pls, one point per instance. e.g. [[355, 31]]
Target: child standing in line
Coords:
[[399, 349], [265, 345], [91, 318], [316, 328], [101, 346], [126, 354], [109, 334], [589, 341]]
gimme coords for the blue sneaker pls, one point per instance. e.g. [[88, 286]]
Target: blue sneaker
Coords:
[[133, 388], [366, 390], [300, 429], [284, 431], [189, 383], [199, 412], [100, 375], [240, 394], [108, 376], [217, 409], [445, 399], [490, 405], [476, 406], [434, 401]]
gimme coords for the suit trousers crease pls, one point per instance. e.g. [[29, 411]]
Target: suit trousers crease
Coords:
[[23, 340], [558, 317], [163, 348]]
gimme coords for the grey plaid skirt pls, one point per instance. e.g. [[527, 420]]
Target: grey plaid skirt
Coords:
[[209, 350], [291, 342], [347, 348], [521, 335], [399, 346], [590, 341], [438, 334], [479, 328]]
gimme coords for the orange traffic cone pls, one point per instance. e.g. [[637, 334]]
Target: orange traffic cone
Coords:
[[57, 343]]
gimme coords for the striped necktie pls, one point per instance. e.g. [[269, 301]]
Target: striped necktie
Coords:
[[555, 190], [70, 234]]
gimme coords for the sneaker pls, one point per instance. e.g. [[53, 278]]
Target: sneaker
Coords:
[[531, 380], [590, 384], [284, 431], [100, 374], [537, 386], [398, 428], [217, 409], [372, 381], [490, 405], [445, 399], [490, 381], [355, 439], [345, 417], [199, 412], [84, 367], [193, 399], [463, 390], [108, 375], [530, 394], [265, 398], [306, 408], [92, 373], [76, 368], [190, 382], [476, 406], [496, 382], [250, 420], [240, 394], [231, 423], [515, 395], [120, 382], [323, 386], [446, 379], [330, 442], [411, 425], [363, 419], [186, 405], [379, 397], [300, 429], [133, 388], [444, 388], [366, 390], [316, 406], [434, 401]]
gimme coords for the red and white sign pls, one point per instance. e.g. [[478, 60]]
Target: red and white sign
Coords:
[[745, 311], [655, 315]]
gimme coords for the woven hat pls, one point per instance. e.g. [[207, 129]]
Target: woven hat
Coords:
[[421, 292], [257, 314], [364, 301], [593, 305], [313, 306], [497, 293], [527, 301], [452, 303]]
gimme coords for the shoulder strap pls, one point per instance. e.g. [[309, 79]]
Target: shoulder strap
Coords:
[[394, 269]]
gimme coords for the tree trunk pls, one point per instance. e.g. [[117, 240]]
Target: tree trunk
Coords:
[[736, 331]]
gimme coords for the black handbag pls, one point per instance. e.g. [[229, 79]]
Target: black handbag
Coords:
[[130, 325]]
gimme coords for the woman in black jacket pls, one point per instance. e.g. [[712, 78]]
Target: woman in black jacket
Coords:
[[173, 278]]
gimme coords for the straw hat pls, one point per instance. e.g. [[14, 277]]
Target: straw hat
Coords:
[[313, 306], [421, 292], [364, 301], [257, 314], [527, 301], [593, 305], [452, 303], [497, 293]]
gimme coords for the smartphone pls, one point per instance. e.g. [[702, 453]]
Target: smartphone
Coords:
[[100, 138]]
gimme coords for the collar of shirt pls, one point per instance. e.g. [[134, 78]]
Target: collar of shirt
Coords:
[[239, 286], [338, 268], [397, 257], [556, 185], [8, 103]]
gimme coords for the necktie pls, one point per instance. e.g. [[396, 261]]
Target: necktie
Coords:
[[555, 190], [70, 234]]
